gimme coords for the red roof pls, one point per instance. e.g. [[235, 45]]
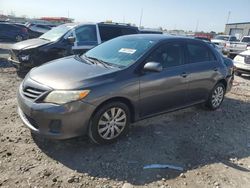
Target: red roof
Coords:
[[55, 18]]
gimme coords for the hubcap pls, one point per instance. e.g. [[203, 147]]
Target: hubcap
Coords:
[[217, 96], [112, 123]]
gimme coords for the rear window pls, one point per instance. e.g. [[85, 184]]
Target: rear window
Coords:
[[246, 39], [109, 32], [220, 37], [199, 53]]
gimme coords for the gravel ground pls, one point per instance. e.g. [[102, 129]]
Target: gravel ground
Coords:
[[212, 147]]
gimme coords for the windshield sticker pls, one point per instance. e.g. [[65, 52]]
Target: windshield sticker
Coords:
[[127, 50]]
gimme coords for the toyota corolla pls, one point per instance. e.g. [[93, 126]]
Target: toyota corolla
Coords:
[[120, 82]]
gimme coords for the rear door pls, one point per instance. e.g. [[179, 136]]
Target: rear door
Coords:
[[165, 90], [203, 71], [86, 38]]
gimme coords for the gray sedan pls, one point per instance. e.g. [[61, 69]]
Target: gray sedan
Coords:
[[119, 82]]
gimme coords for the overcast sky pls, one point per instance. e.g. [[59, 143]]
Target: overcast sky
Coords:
[[208, 15]]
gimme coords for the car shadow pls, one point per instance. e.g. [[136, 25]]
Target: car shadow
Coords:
[[189, 138], [245, 76]]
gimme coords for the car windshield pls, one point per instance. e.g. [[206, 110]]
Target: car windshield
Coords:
[[222, 37], [56, 33], [122, 51]]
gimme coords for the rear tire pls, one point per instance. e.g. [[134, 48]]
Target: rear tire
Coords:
[[216, 97], [109, 123]]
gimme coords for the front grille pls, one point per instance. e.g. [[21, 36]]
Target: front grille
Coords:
[[31, 121], [247, 59], [33, 93]]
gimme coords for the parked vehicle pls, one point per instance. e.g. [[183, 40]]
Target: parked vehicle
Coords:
[[242, 62], [150, 31], [64, 40], [121, 81], [12, 32], [234, 48], [37, 29], [220, 40], [203, 38]]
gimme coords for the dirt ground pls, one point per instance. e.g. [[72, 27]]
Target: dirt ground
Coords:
[[212, 147]]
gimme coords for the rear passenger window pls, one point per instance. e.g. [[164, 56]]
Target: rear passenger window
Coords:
[[199, 53], [109, 32], [128, 31]]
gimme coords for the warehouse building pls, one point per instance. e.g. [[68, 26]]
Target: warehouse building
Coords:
[[238, 29]]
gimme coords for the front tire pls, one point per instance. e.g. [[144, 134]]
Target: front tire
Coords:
[[109, 123], [216, 97]]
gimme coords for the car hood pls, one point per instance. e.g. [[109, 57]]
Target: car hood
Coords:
[[247, 52], [71, 73], [31, 43]]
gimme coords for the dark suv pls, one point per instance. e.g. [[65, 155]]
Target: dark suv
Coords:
[[65, 40], [121, 81], [12, 32]]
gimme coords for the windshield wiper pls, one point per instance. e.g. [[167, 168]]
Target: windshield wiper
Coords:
[[95, 60], [85, 60], [44, 38]]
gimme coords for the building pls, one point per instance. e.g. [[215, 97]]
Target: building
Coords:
[[238, 29]]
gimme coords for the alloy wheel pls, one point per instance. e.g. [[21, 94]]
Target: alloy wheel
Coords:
[[112, 123], [217, 96]]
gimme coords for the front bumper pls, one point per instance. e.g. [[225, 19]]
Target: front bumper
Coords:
[[55, 121], [242, 67]]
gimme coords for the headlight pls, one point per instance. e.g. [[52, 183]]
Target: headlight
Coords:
[[247, 59], [62, 97], [25, 57]]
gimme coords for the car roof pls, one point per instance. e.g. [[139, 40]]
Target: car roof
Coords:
[[77, 24], [158, 37]]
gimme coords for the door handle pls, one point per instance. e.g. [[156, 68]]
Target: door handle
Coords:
[[184, 74]]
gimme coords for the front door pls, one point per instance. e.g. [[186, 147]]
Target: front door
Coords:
[[86, 38], [165, 90]]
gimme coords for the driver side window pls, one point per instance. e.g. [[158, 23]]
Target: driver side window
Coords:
[[168, 55], [86, 35]]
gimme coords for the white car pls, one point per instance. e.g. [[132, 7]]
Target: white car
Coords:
[[242, 62], [220, 40]]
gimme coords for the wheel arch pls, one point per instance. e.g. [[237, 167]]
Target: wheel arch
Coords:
[[224, 82], [118, 99]]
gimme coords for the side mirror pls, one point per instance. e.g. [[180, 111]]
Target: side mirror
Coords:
[[71, 39], [153, 67]]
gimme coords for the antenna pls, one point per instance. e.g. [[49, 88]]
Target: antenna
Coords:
[[228, 17], [197, 25]]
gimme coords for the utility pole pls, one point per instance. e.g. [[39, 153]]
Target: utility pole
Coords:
[[197, 26], [228, 17], [141, 16]]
